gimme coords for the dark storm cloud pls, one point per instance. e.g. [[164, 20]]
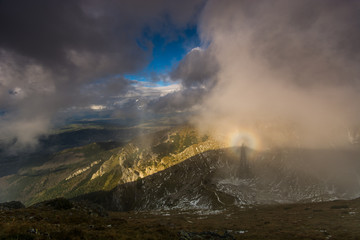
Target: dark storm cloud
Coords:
[[50, 50], [101, 91], [46, 30]]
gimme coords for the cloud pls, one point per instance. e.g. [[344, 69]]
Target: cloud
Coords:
[[97, 107], [52, 51], [262, 64], [197, 69], [21, 132], [178, 101], [287, 69], [143, 100], [197, 75]]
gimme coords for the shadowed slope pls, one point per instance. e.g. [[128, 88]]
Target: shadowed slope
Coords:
[[221, 178]]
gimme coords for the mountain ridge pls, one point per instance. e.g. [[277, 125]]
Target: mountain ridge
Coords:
[[237, 175], [214, 179]]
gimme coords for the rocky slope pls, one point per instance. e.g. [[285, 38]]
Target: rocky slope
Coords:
[[38, 182], [180, 168], [102, 166], [222, 178]]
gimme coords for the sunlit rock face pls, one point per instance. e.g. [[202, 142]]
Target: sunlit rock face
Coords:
[[153, 153], [183, 168], [239, 176], [103, 166]]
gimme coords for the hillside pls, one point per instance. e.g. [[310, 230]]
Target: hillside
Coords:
[[222, 178], [181, 168], [102, 166], [35, 181]]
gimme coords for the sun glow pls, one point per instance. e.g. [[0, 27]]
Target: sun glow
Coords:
[[239, 138]]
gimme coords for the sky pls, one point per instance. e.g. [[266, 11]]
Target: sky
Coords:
[[286, 71]]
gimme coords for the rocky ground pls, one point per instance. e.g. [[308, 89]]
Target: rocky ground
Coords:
[[61, 219]]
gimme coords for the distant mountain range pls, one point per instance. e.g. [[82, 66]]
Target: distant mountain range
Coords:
[[181, 168]]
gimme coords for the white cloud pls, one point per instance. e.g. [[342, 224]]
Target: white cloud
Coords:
[[97, 107], [152, 90], [196, 49]]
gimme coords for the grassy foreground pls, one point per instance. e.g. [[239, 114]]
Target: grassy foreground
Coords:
[[328, 220]]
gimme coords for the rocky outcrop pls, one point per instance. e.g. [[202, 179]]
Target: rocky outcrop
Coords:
[[80, 171], [90, 208], [11, 205], [57, 204], [138, 159]]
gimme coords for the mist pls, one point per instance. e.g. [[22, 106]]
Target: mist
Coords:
[[287, 71]]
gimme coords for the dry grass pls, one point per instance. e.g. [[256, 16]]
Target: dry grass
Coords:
[[331, 220]]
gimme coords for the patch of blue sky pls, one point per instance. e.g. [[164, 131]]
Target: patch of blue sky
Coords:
[[166, 54]]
